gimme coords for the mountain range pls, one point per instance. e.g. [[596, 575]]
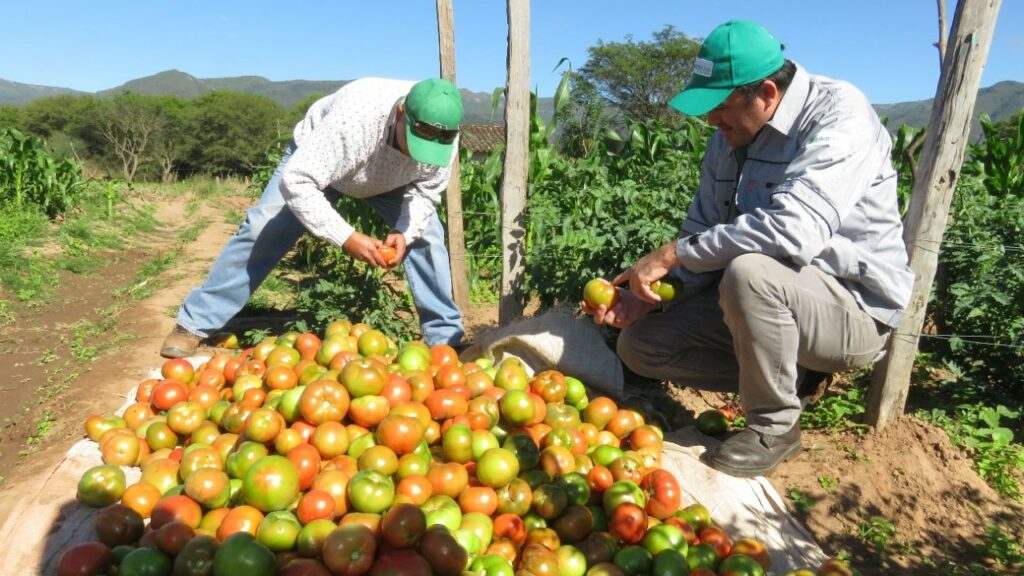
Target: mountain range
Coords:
[[999, 101]]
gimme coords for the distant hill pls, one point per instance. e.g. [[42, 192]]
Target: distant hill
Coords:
[[16, 94], [999, 101]]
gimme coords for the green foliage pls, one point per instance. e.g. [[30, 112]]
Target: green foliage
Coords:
[[878, 533], [588, 216], [803, 502], [978, 428], [30, 175], [836, 411], [639, 78], [982, 303], [230, 132]]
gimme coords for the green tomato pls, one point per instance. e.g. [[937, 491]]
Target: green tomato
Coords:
[[664, 537], [634, 560], [101, 485], [241, 553], [571, 561], [443, 510], [279, 531], [575, 391], [271, 483], [497, 467], [670, 563], [371, 491], [492, 565], [619, 493], [145, 562]]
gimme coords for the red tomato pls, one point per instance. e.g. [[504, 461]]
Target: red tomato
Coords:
[[400, 433], [663, 493], [403, 525], [242, 518], [401, 563], [178, 508], [448, 478], [168, 393], [84, 559], [511, 527], [315, 505], [323, 401], [628, 522], [349, 550]]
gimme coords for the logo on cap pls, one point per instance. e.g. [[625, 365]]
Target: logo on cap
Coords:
[[703, 67]]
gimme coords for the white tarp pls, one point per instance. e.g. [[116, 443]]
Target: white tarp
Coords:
[[50, 519]]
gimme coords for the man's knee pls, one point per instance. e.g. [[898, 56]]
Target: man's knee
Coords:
[[745, 275]]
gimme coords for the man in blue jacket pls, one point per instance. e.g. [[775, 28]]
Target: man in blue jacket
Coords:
[[791, 256]]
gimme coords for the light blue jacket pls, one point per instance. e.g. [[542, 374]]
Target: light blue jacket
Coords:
[[817, 188]]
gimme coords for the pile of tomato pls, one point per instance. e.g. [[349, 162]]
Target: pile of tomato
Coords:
[[347, 454]]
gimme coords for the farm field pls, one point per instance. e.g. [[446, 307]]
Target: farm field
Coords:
[[901, 502]]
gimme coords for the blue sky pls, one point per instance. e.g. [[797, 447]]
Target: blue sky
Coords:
[[884, 47]]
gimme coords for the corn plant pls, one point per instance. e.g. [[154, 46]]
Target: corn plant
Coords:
[[30, 175]]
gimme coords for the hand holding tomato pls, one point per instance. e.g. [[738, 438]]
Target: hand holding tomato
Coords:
[[364, 248], [648, 270], [626, 310], [393, 249]]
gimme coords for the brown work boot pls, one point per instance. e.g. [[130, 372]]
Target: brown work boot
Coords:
[[180, 343], [750, 453]]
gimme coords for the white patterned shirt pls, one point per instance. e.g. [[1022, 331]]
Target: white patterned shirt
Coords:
[[343, 143]]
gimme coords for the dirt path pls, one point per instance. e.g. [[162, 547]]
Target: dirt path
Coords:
[[129, 347], [910, 476]]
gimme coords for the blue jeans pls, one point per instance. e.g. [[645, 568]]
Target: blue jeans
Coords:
[[270, 230]]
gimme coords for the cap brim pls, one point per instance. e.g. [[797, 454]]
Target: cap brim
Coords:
[[696, 101], [427, 151]]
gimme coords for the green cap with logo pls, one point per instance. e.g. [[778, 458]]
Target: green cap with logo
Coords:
[[736, 53], [437, 103]]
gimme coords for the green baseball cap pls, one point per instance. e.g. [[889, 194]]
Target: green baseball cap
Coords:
[[433, 111], [736, 53]]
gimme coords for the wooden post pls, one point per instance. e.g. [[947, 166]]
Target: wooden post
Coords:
[[517, 158], [941, 160], [453, 196]]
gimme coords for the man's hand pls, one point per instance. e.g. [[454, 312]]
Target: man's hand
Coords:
[[365, 249], [627, 309], [396, 240], [648, 269]]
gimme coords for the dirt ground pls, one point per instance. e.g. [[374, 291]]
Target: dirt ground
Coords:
[[909, 474]]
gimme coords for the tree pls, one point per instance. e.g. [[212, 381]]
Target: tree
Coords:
[[170, 141], [639, 78], [128, 123], [231, 132]]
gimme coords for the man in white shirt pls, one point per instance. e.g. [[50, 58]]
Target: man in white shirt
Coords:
[[387, 142], [791, 256]]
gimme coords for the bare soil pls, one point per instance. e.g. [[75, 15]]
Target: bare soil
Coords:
[[909, 474]]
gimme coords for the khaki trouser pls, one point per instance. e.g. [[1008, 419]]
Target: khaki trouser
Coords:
[[756, 334]]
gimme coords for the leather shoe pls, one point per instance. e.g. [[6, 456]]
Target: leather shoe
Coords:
[[180, 343], [751, 453]]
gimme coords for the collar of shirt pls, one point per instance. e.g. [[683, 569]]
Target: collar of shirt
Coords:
[[792, 103], [391, 130]]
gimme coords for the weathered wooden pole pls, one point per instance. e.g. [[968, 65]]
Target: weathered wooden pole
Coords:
[[517, 158], [935, 182], [453, 196]]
